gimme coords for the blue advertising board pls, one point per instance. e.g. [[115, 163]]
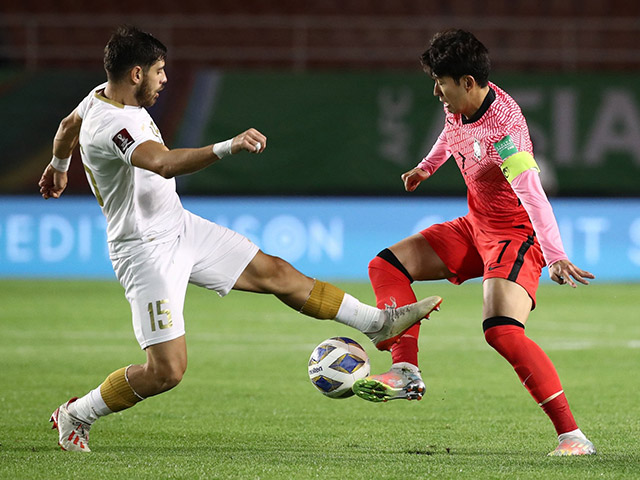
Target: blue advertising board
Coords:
[[330, 238]]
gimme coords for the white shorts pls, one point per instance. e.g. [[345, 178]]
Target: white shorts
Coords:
[[155, 275]]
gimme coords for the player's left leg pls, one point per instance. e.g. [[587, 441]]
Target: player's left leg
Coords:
[[226, 260], [321, 300], [506, 308]]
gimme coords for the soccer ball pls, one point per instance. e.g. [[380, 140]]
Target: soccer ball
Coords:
[[336, 364]]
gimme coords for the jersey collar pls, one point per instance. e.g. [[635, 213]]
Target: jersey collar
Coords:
[[488, 100], [100, 96]]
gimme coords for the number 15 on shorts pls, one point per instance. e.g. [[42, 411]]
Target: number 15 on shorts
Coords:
[[158, 316]]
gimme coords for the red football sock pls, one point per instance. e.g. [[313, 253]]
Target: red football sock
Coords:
[[390, 284], [535, 370]]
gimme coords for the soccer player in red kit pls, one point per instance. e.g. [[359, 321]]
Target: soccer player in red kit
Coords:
[[508, 236]]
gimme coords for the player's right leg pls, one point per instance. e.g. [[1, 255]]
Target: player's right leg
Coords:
[[73, 419], [156, 305], [391, 279], [122, 389], [402, 381]]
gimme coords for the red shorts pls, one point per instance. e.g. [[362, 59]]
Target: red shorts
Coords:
[[471, 251]]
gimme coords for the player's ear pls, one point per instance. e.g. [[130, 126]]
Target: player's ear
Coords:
[[135, 74], [468, 81]]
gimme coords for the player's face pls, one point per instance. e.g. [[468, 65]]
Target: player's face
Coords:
[[152, 83], [453, 95]]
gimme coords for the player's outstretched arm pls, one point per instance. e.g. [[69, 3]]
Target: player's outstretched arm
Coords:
[[413, 178], [54, 178], [562, 271], [157, 158]]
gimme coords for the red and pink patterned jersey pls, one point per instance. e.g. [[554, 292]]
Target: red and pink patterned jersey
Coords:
[[492, 200], [471, 142]]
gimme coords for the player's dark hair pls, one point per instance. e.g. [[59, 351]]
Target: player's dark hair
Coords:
[[129, 47], [454, 53]]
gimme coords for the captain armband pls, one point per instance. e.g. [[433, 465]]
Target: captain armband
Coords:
[[518, 163], [513, 161]]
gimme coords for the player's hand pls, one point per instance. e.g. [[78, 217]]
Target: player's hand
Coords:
[[52, 183], [252, 141], [413, 178], [562, 271]]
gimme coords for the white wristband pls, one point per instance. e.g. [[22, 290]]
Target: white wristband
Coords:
[[222, 149], [60, 164]]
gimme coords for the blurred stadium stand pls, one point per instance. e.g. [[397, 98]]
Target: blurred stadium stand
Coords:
[[348, 69], [560, 35]]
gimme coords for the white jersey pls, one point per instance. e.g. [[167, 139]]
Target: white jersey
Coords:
[[140, 205], [142, 210]]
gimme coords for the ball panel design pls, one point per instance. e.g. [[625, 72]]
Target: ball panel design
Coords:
[[347, 363], [321, 352], [347, 340], [324, 384]]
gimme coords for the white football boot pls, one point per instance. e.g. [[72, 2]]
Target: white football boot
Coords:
[[399, 319], [398, 383], [569, 445], [73, 434]]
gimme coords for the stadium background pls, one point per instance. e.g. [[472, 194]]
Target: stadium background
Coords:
[[337, 87]]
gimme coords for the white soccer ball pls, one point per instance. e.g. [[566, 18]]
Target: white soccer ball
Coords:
[[336, 364]]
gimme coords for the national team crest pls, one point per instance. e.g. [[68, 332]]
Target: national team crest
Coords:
[[477, 151]]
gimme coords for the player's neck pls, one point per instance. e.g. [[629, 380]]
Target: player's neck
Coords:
[[120, 94], [476, 99]]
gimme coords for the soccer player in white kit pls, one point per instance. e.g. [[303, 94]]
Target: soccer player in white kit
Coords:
[[157, 247]]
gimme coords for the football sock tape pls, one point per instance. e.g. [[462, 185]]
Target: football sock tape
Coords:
[[324, 301], [117, 393]]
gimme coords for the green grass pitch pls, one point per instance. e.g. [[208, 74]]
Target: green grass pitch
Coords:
[[246, 408]]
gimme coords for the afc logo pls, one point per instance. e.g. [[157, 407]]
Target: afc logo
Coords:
[[123, 140]]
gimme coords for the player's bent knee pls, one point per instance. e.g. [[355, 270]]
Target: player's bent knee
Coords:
[[167, 382], [376, 262], [167, 377], [495, 327], [386, 263]]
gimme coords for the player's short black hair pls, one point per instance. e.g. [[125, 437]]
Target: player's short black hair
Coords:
[[454, 53], [129, 47]]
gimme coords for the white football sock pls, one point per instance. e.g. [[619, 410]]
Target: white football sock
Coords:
[[409, 366], [90, 407], [360, 316], [573, 433]]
